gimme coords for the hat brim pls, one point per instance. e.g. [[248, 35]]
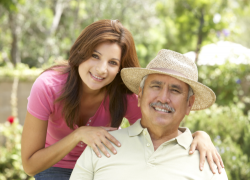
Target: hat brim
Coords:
[[204, 96]]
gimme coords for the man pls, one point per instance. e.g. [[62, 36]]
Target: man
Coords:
[[155, 147]]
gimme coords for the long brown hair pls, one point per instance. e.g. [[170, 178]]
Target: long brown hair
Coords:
[[94, 34]]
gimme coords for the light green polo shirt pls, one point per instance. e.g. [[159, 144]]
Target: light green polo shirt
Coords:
[[136, 159]]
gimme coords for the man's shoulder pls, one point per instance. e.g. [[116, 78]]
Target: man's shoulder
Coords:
[[120, 132]]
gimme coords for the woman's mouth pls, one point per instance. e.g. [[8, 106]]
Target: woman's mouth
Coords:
[[97, 78]]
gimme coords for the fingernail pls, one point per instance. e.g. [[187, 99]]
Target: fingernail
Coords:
[[119, 144], [99, 156], [201, 168], [108, 155], [190, 151], [114, 151]]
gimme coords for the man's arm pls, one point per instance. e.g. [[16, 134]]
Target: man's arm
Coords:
[[84, 166]]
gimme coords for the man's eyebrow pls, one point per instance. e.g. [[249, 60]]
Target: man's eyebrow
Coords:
[[176, 86], [101, 55], [156, 82]]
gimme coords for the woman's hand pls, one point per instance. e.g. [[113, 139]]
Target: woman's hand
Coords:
[[204, 145], [98, 137]]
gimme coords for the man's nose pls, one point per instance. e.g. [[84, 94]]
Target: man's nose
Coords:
[[164, 96]]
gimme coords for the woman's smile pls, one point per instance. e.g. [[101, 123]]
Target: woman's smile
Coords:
[[102, 67], [97, 78]]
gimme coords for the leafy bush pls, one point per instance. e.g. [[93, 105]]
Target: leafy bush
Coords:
[[229, 129], [10, 156], [230, 82], [22, 71]]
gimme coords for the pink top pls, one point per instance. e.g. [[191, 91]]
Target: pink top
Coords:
[[45, 90]]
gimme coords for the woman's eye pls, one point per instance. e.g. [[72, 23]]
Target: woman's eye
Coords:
[[156, 86], [113, 62], [95, 56]]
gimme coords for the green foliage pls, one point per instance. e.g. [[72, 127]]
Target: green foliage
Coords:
[[11, 5], [10, 156], [229, 129], [229, 81]]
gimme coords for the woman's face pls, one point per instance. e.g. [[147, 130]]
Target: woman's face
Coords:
[[101, 68]]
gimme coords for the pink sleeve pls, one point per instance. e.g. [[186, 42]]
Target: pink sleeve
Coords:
[[40, 101], [133, 111]]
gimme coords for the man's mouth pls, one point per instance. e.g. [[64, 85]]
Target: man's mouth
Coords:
[[162, 107], [96, 77], [162, 110]]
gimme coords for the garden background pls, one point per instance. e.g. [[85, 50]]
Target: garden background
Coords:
[[215, 33]]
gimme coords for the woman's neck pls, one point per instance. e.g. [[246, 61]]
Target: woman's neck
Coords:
[[86, 92]]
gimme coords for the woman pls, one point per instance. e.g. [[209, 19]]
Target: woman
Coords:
[[75, 104]]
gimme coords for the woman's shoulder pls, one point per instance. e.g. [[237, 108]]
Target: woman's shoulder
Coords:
[[52, 78], [132, 97]]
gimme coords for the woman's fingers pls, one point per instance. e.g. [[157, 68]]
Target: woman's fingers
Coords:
[[103, 149], [109, 128], [99, 139], [217, 162], [202, 159], [210, 161], [220, 159], [113, 140], [95, 149], [193, 147]]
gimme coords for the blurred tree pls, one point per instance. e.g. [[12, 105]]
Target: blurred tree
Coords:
[[229, 129], [195, 23]]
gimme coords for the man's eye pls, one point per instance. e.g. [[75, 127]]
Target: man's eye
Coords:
[[174, 90], [156, 86], [95, 56]]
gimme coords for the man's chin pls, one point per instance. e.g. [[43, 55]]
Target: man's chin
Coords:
[[162, 121]]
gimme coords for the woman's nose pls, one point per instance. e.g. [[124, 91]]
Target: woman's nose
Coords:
[[102, 68]]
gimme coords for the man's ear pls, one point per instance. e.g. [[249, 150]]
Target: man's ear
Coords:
[[190, 104], [139, 97]]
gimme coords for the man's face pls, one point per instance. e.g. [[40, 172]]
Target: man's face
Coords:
[[164, 101]]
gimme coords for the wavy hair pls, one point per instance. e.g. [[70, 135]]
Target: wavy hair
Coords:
[[96, 33]]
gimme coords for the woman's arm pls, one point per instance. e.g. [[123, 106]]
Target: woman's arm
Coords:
[[204, 145], [36, 158]]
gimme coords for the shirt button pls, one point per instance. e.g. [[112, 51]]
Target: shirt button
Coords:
[[81, 145], [87, 124], [145, 132], [148, 144], [90, 120], [81, 142]]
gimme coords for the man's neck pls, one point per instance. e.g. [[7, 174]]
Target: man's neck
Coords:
[[158, 140], [160, 135]]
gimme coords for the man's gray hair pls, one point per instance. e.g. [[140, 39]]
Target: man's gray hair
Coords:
[[190, 90]]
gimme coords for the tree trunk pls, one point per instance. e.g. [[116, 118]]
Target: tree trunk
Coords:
[[59, 7], [14, 52], [199, 41]]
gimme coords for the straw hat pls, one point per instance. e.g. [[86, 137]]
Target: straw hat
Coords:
[[176, 65]]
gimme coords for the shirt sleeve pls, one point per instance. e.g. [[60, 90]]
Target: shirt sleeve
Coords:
[[133, 112], [84, 166], [40, 101]]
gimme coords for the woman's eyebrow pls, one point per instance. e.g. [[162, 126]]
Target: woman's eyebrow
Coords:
[[101, 55], [97, 52]]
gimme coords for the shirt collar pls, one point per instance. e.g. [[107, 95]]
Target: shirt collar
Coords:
[[135, 129], [184, 140]]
